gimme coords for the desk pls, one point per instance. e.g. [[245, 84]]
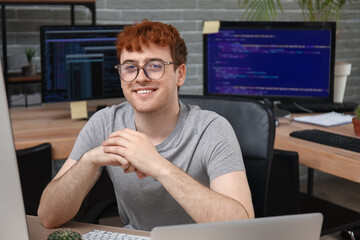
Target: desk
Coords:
[[335, 161], [33, 126], [38, 232], [339, 162], [51, 123]]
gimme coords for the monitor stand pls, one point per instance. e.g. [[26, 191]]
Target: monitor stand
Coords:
[[278, 113], [281, 113]]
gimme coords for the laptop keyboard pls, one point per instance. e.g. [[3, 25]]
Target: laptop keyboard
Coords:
[[104, 235]]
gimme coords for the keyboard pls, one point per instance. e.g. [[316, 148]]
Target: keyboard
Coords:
[[318, 107], [328, 138], [105, 235]]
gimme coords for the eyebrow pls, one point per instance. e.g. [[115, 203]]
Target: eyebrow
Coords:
[[146, 60]]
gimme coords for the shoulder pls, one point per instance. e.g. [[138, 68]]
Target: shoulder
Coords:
[[208, 126], [217, 142], [205, 118], [111, 118], [121, 109]]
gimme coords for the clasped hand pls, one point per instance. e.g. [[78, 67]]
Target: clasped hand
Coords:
[[134, 152]]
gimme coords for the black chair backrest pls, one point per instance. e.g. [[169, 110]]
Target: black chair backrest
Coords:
[[254, 125], [100, 202], [34, 165]]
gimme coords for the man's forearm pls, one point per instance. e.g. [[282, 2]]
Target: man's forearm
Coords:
[[200, 202], [63, 196]]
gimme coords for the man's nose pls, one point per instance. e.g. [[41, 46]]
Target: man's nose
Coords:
[[143, 76]]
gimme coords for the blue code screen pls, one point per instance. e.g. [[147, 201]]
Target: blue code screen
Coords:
[[269, 62]]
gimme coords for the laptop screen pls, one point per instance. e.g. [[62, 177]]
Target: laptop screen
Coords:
[[287, 227]]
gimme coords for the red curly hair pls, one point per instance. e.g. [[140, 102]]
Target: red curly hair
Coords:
[[146, 32]]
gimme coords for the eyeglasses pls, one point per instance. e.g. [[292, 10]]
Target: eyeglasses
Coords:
[[153, 70]]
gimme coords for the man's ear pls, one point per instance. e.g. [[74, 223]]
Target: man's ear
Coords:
[[181, 75]]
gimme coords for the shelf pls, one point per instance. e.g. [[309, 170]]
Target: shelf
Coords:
[[25, 79], [90, 4], [49, 1]]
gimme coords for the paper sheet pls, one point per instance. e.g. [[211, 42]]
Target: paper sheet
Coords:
[[211, 27], [326, 119]]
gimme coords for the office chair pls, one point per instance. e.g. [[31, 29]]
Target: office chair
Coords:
[[284, 184], [34, 165], [99, 203], [254, 126]]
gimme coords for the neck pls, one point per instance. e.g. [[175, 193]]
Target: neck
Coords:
[[157, 125]]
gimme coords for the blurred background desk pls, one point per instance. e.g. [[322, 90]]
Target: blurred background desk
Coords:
[[335, 161], [339, 162], [33, 126], [51, 123]]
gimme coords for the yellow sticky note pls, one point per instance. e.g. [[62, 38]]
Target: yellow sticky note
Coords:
[[78, 110], [211, 27]]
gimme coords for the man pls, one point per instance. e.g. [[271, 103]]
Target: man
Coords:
[[169, 163]]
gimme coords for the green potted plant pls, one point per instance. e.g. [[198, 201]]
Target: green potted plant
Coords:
[[356, 121], [313, 10], [260, 10], [30, 70]]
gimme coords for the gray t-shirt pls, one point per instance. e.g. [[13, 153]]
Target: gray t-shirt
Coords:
[[203, 144]]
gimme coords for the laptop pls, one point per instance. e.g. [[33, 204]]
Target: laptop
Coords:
[[13, 223], [294, 227]]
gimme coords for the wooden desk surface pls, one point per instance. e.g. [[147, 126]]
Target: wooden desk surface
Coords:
[[38, 232], [335, 161], [33, 126], [51, 123]]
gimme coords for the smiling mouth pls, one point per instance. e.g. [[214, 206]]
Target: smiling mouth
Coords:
[[145, 91]]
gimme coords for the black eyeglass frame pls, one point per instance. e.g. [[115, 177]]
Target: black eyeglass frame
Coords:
[[118, 67]]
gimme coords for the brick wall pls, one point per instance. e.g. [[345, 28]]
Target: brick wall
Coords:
[[187, 15]]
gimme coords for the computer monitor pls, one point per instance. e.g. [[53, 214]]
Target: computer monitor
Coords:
[[13, 224], [77, 63], [283, 61]]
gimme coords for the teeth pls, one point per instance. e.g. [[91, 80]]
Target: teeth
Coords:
[[144, 91]]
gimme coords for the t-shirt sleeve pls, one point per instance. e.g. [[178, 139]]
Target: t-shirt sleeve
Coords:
[[91, 136], [222, 150]]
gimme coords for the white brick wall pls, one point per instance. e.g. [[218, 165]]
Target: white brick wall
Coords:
[[187, 15]]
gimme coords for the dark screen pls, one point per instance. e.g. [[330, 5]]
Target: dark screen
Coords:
[[78, 63]]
